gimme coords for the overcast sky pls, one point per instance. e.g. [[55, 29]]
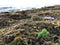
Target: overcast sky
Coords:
[[28, 3]]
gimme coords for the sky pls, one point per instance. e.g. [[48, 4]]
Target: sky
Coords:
[[28, 3]]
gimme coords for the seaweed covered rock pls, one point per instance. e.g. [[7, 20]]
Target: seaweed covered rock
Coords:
[[18, 41], [7, 39]]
